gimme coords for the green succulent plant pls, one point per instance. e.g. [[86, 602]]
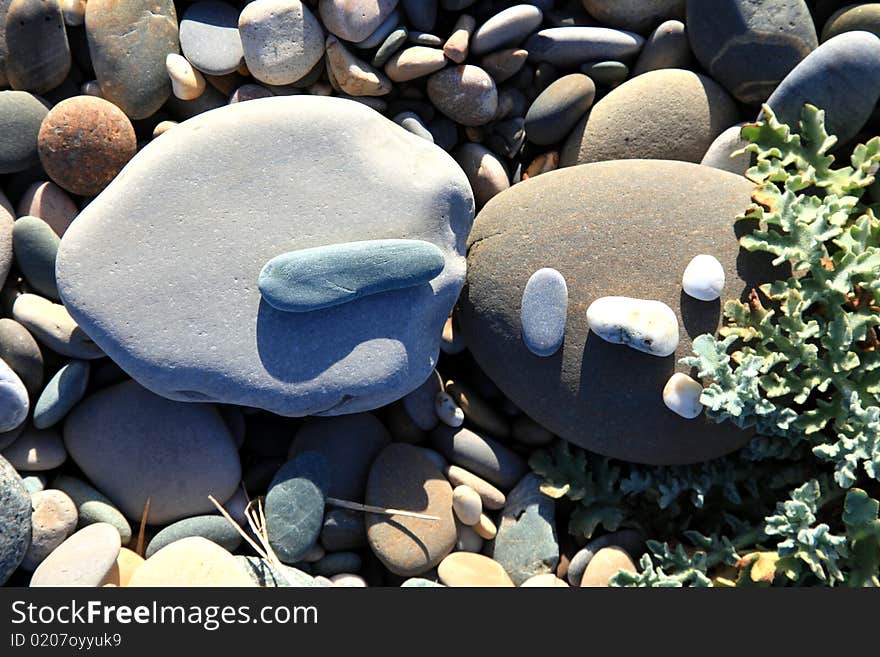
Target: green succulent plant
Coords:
[[798, 363]]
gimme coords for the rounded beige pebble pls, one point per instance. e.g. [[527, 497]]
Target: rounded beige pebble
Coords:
[[604, 565], [545, 580], [447, 410], [53, 327], [52, 521], [414, 62], [681, 394], [162, 127], [84, 559], [349, 580], [127, 564], [486, 528], [467, 505], [186, 82], [191, 562], [354, 76], [465, 569], [491, 497]]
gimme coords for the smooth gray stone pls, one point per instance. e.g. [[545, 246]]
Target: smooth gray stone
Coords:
[[213, 338], [573, 46], [15, 520], [560, 106], [20, 117], [422, 14], [412, 122], [295, 505], [7, 218], [35, 246], [84, 559], [133, 444], [382, 32], [725, 144], [38, 53], [354, 20], [4, 51], [425, 39], [750, 46], [61, 394], [209, 37], [506, 28], [92, 506], [420, 404], [480, 454], [213, 528], [349, 443], [421, 582], [466, 94], [326, 276], [390, 46], [337, 562], [128, 44], [628, 539], [544, 312], [606, 74], [842, 77], [636, 15], [526, 543], [666, 47], [22, 353], [343, 530], [14, 401]]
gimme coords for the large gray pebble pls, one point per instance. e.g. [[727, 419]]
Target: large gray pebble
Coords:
[[15, 519], [506, 28], [573, 46], [20, 117], [209, 37]]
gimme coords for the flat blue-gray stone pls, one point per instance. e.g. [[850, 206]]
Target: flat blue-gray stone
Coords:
[[526, 544], [573, 46], [193, 326], [295, 505], [214, 528], [544, 311], [841, 76], [326, 276], [209, 37], [61, 394], [35, 245], [15, 520]]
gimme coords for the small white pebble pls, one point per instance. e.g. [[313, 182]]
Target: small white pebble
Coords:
[[681, 394], [74, 12], [703, 278], [186, 82], [645, 325], [349, 580], [91, 88], [467, 505], [447, 410]]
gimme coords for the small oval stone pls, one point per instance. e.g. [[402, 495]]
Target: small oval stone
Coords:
[[191, 562], [606, 74], [604, 565], [343, 529], [504, 64], [414, 62], [681, 394], [187, 83], [636, 15], [486, 528], [326, 276], [506, 28], [61, 394], [37, 43], [480, 454], [214, 528], [92, 506], [457, 45], [35, 245], [53, 520], [14, 400], [84, 142], [36, 450], [390, 45], [666, 47], [646, 325], [20, 117], [84, 559], [53, 326], [469, 569], [490, 497], [466, 94], [448, 412], [703, 278], [467, 505], [295, 505], [560, 106], [544, 312], [20, 351], [209, 37], [485, 171], [468, 540], [568, 47]]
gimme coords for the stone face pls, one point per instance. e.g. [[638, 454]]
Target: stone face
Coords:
[[506, 28], [282, 40], [14, 401], [61, 394], [573, 46], [666, 47], [128, 42], [560, 106], [15, 518], [53, 520], [468, 569], [133, 444], [592, 392], [214, 528], [84, 559], [481, 455], [349, 443], [209, 37], [20, 117], [635, 15], [526, 543], [204, 333], [191, 562], [466, 94], [828, 78], [670, 114], [35, 245], [748, 46], [404, 478], [295, 505], [543, 311], [84, 142], [39, 56], [354, 20]]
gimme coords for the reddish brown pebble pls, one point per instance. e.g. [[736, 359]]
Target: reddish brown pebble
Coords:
[[84, 142], [50, 203]]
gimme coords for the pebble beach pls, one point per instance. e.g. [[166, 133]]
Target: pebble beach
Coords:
[[294, 292]]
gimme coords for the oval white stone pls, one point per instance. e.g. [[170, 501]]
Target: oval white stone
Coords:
[[447, 410], [703, 278], [681, 394], [646, 325]]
